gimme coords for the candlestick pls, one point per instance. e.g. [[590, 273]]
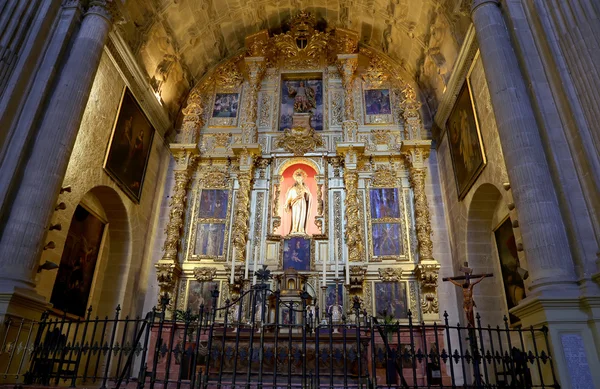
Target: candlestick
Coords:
[[255, 266]]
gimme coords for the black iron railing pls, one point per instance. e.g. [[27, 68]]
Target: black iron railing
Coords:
[[266, 339]]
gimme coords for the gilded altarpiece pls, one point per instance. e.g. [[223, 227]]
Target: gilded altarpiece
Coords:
[[294, 176]]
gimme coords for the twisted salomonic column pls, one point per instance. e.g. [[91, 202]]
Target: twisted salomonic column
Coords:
[[544, 235], [422, 217], [242, 209], [168, 267], [410, 113], [347, 64], [255, 67], [27, 218]]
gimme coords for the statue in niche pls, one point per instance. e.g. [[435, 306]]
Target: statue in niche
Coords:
[[298, 199], [304, 97]]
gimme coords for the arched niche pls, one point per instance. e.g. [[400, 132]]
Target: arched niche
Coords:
[[486, 210], [113, 253]]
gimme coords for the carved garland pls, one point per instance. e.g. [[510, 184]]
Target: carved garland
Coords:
[[205, 273], [242, 216], [422, 217], [353, 234]]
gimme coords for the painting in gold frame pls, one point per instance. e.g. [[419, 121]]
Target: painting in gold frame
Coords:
[[129, 147], [464, 139]]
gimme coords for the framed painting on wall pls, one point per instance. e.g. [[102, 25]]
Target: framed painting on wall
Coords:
[[296, 253], [129, 147], [225, 109], [510, 266], [391, 300], [378, 106], [78, 263], [199, 293], [464, 138]]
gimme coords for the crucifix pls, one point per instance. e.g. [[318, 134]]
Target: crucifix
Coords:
[[467, 288]]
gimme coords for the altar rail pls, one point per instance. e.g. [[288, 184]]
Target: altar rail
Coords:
[[220, 348]]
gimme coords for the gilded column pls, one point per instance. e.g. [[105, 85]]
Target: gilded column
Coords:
[[353, 235], [25, 221], [255, 67], [347, 64], [410, 113], [192, 120], [168, 268], [242, 209]]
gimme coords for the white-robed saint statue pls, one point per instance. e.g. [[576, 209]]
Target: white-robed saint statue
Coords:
[[298, 200]]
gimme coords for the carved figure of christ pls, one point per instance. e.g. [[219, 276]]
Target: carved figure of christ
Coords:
[[467, 288]]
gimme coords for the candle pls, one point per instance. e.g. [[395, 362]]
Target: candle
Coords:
[[336, 267], [246, 268], [347, 272], [324, 272], [232, 271]]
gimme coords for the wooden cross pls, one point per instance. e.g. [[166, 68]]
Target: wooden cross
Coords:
[[467, 287]]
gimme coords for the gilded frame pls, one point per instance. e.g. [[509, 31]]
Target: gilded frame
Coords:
[[466, 88], [312, 253], [408, 292], [226, 122], [299, 75], [196, 220], [188, 282], [399, 220], [379, 119]]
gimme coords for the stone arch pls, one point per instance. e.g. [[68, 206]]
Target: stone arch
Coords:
[[110, 277], [485, 212]]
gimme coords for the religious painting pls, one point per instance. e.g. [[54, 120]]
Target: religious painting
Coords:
[[377, 106], [298, 200], [78, 262], [301, 96], [390, 300], [213, 204], [210, 239], [512, 273], [384, 203], [129, 147], [296, 253], [386, 239], [332, 298], [226, 105], [466, 146], [199, 293]]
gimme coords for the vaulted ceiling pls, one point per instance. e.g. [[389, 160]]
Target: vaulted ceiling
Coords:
[[177, 41]]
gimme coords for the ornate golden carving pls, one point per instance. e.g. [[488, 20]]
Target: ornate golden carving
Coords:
[[350, 130], [384, 177], [376, 75], [205, 273], [265, 111], [412, 118], [390, 274], [427, 273], [214, 178], [299, 140], [347, 65], [222, 139], [276, 200], [167, 275], [228, 78], [302, 46], [337, 111], [381, 137], [176, 212], [238, 276], [257, 45], [346, 41], [242, 215], [357, 277], [320, 202], [422, 217], [354, 239], [193, 117]]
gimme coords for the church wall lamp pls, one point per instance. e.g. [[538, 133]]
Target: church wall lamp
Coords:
[[65, 189], [506, 186], [47, 266], [60, 206]]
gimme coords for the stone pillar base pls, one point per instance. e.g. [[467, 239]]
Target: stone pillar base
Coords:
[[571, 338], [22, 303]]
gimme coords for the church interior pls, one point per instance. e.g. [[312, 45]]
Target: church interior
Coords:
[[248, 173]]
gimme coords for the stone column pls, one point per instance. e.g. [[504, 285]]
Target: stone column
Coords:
[[347, 64], [255, 67], [247, 155], [544, 235], [168, 267], [27, 218]]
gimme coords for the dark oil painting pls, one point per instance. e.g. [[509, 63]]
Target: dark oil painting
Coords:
[[512, 278], [130, 147], [199, 293], [303, 96], [213, 204], [386, 239], [226, 105], [384, 203], [466, 148], [377, 102], [77, 264]]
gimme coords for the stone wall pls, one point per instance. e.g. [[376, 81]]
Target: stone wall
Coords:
[[472, 219], [122, 264]]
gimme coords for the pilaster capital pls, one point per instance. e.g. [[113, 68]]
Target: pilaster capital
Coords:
[[477, 3], [78, 4], [184, 155], [346, 40], [111, 10], [416, 152], [255, 68], [347, 65]]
